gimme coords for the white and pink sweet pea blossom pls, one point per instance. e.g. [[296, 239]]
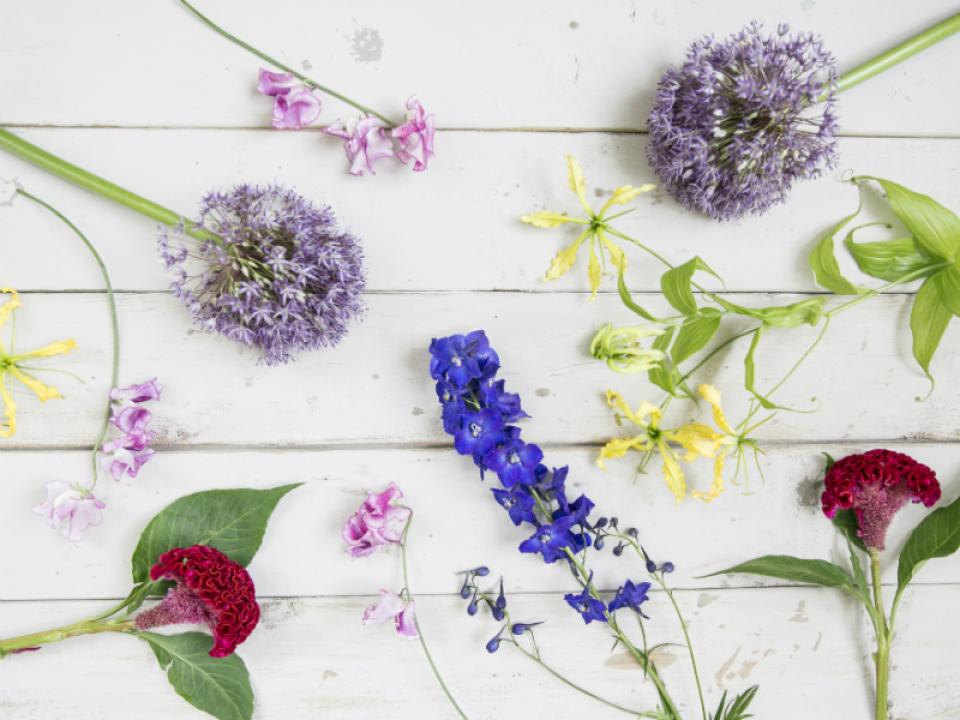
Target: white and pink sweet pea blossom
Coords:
[[127, 452], [393, 607], [377, 523], [141, 392], [415, 137], [122, 461], [296, 109], [71, 509], [273, 83], [365, 142]]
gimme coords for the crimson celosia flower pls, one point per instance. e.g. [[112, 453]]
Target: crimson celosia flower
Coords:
[[875, 485], [211, 589]]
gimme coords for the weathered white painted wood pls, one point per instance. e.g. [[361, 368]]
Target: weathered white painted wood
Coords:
[[807, 649], [457, 523], [455, 227], [374, 387], [533, 64]]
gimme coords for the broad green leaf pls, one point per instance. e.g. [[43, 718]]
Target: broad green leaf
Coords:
[[948, 288], [824, 264], [846, 522], [933, 226], [218, 686], [675, 284], [889, 260], [695, 332], [627, 299], [937, 536], [805, 312], [233, 521], [928, 321], [787, 567], [666, 376]]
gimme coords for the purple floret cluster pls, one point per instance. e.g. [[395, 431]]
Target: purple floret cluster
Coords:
[[283, 278], [741, 119]]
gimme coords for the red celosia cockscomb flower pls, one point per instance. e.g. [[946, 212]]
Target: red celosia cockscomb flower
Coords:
[[211, 589], [875, 485]]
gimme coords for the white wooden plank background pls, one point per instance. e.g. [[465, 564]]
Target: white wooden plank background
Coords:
[[144, 95]]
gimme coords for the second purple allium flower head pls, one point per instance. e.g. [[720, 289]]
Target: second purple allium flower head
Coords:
[[284, 278], [741, 119]]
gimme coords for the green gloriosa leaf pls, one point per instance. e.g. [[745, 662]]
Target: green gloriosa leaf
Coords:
[[928, 321], [627, 299], [824, 264], [846, 522], [889, 260], [218, 686], [787, 567], [750, 372], [937, 536], [233, 521], [805, 312], [933, 226], [695, 332], [948, 288], [676, 287], [737, 710], [664, 376]]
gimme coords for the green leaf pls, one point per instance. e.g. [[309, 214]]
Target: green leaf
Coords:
[[787, 567], [664, 375], [627, 299], [933, 226], [218, 686], [805, 312], [937, 536], [695, 332], [823, 262], [889, 260], [233, 521], [859, 575], [948, 288], [738, 708], [676, 287], [928, 321], [750, 372], [846, 522]]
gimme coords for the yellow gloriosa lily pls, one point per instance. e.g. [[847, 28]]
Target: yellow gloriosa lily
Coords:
[[602, 249], [10, 366]]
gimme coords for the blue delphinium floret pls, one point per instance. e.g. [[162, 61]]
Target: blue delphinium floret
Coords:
[[587, 605], [630, 595]]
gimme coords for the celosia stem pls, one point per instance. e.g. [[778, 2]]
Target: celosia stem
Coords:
[[899, 53], [286, 68], [68, 171], [33, 641], [114, 325], [882, 657], [416, 620]]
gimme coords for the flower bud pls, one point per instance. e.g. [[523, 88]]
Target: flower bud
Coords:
[[622, 349]]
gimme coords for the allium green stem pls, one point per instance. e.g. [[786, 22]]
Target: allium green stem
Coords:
[[286, 68], [68, 171], [899, 53], [114, 325]]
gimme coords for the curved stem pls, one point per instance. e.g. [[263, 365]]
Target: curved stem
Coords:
[[68, 171], [905, 278], [899, 53], [416, 621], [286, 68], [686, 637], [882, 657], [33, 641], [114, 325], [802, 358], [706, 358]]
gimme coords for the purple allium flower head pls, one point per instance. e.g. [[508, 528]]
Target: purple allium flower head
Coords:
[[740, 120], [285, 279]]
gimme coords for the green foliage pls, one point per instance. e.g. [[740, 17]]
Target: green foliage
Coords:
[[937, 536], [696, 331], [737, 709], [846, 522], [218, 686], [889, 260], [676, 284], [787, 567], [929, 319], [824, 264], [627, 299]]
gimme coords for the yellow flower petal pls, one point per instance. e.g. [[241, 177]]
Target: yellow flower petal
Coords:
[[617, 256], [624, 194], [563, 260], [10, 305], [717, 486], [593, 271], [672, 471], [618, 447], [577, 183], [616, 401], [42, 391], [712, 396], [697, 439], [55, 348], [9, 426], [548, 219]]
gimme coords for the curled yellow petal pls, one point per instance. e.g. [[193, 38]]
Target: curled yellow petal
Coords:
[[577, 183], [55, 348], [617, 256], [712, 396], [697, 439], [9, 425], [647, 409], [672, 472], [548, 219], [593, 271], [563, 260], [42, 391], [618, 447], [624, 194], [717, 486], [10, 305]]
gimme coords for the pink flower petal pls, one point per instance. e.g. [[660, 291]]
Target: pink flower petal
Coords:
[[274, 84]]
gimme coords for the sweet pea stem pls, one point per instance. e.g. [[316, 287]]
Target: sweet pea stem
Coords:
[[44, 160], [286, 68], [33, 641], [114, 325], [416, 621]]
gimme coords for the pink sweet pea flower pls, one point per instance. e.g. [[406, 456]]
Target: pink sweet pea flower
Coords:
[[125, 461], [70, 508], [365, 143], [142, 392], [378, 522], [274, 84], [392, 606], [295, 109], [415, 136]]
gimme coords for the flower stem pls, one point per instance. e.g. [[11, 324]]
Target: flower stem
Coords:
[[416, 621], [114, 325], [68, 171], [899, 53], [33, 641], [286, 68], [686, 637], [882, 657]]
